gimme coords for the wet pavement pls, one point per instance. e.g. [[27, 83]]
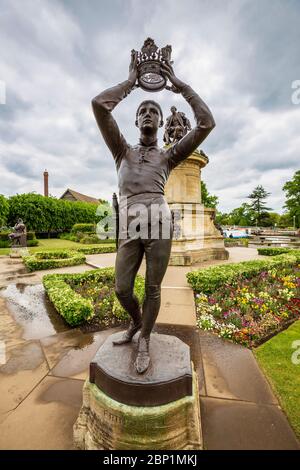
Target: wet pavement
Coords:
[[46, 363], [32, 310]]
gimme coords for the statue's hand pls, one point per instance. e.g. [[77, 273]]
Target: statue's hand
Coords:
[[168, 72], [132, 77]]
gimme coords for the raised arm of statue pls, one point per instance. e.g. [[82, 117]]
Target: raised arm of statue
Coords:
[[103, 105], [203, 116]]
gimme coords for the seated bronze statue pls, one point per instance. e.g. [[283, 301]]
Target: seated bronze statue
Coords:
[[177, 126], [143, 170], [18, 237]]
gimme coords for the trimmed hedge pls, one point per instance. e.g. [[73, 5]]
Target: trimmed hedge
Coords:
[[53, 259], [274, 251], [47, 214], [90, 228], [4, 210], [209, 279], [68, 236], [236, 241], [89, 239], [95, 250], [76, 309], [33, 242], [71, 306]]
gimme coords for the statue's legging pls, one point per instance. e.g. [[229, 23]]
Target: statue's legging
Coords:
[[129, 257]]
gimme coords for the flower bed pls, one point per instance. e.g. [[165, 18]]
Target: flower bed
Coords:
[[53, 259], [247, 302], [89, 297]]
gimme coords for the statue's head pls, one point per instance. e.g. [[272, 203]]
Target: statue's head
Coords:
[[173, 109], [20, 221], [149, 117]]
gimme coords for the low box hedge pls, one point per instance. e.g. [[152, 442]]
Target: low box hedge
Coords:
[[274, 251], [68, 236], [71, 306], [209, 279], [95, 250], [236, 241], [53, 259], [90, 228], [75, 308]]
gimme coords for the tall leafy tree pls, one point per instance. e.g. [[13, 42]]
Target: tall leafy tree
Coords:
[[4, 210], [242, 215], [292, 203], [258, 202], [208, 200]]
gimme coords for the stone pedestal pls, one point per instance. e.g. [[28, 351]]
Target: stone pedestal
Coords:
[[18, 252], [124, 410], [196, 238]]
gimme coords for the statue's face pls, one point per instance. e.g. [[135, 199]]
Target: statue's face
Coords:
[[173, 109], [148, 119]]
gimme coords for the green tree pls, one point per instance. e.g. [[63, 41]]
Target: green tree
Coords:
[[292, 203], [258, 204], [4, 210], [208, 200], [285, 220], [45, 214], [269, 219]]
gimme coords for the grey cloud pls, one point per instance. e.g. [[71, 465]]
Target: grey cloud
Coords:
[[56, 55]]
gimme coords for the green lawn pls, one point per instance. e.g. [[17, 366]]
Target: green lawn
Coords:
[[275, 358], [48, 244]]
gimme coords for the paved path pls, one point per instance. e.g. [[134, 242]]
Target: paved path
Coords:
[[47, 362]]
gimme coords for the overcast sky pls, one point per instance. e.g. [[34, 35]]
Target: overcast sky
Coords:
[[240, 56]]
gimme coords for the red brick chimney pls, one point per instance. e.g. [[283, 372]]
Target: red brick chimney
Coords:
[[46, 188]]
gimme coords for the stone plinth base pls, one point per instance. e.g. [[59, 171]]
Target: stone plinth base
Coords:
[[156, 410], [105, 424], [18, 252], [196, 237], [190, 257]]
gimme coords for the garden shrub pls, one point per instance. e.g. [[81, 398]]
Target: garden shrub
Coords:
[[273, 251], [209, 279], [33, 242], [236, 241], [90, 228], [95, 250], [89, 239], [68, 236], [4, 210], [72, 307], [47, 214], [53, 259], [81, 297]]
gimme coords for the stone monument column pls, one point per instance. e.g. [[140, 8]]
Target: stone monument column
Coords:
[[196, 238]]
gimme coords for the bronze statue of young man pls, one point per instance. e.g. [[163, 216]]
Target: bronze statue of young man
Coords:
[[143, 171]]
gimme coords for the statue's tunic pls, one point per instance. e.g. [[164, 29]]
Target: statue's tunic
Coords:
[[145, 169]]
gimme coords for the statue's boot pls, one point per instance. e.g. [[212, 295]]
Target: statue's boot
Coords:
[[143, 357], [134, 327]]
